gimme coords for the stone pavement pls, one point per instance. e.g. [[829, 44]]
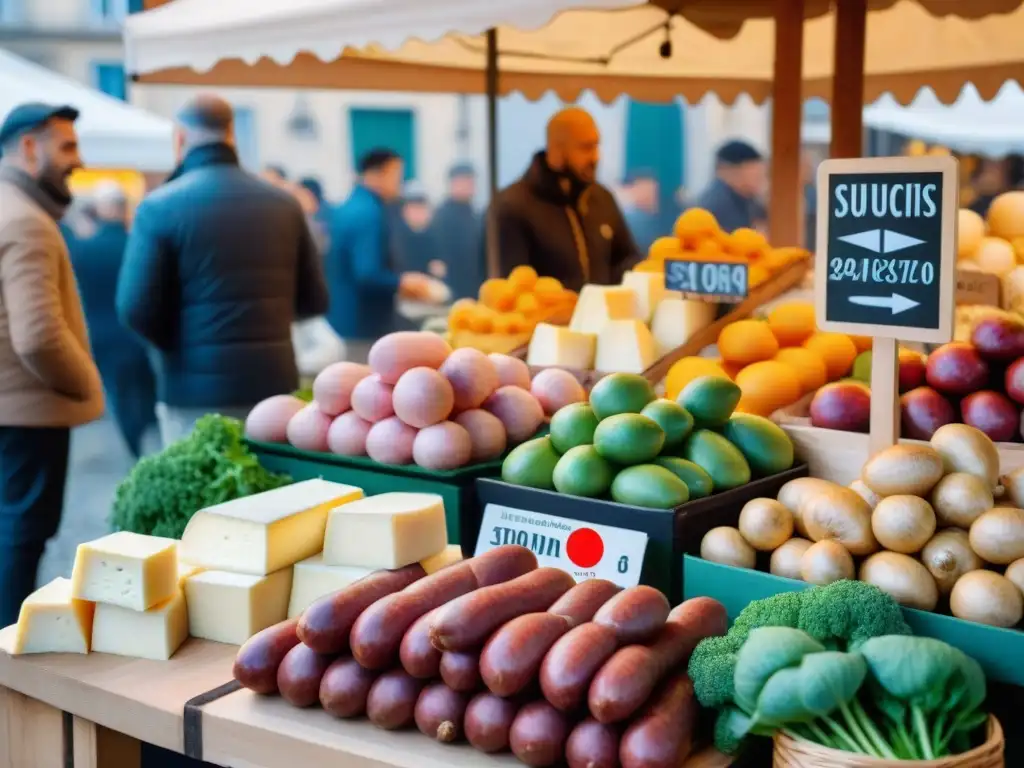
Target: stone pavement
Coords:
[[99, 460]]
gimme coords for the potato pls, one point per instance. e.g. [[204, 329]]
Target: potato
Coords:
[[825, 562], [765, 523], [792, 494], [268, 421], [423, 397], [1015, 573], [442, 446], [998, 535], [347, 435], [556, 388], [960, 498], [372, 399], [858, 487], [903, 469], [841, 515], [390, 441], [473, 377], [903, 578], [966, 449], [987, 598], [786, 559], [903, 523], [517, 410], [948, 556], [332, 387], [727, 546], [486, 432], [512, 372], [307, 429], [396, 353]]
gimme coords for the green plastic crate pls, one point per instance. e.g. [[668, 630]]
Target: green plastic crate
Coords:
[[456, 487], [999, 651]]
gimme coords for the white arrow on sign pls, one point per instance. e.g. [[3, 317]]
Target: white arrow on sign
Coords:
[[895, 302], [873, 240]]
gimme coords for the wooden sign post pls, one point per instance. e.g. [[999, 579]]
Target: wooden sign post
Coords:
[[885, 264]]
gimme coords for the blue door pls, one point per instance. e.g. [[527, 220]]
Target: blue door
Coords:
[[393, 129], [654, 141], [108, 77]]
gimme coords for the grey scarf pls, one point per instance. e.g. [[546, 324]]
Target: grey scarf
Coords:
[[50, 200]]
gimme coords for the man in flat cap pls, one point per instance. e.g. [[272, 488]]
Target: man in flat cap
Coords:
[[219, 263], [734, 197], [48, 380]]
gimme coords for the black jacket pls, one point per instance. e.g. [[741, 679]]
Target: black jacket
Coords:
[[577, 235], [218, 266], [459, 233]]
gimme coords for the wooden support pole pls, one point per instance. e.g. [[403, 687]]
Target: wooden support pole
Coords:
[[848, 79], [885, 406], [785, 220]]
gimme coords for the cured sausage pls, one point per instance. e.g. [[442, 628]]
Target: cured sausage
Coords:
[[391, 703], [572, 662], [593, 745], [345, 687], [489, 722], [581, 602], [460, 671], [298, 677], [636, 614], [662, 736], [260, 656], [538, 734], [512, 657], [440, 712], [325, 625], [419, 658]]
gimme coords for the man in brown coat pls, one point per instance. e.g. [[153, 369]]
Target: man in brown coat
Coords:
[[48, 380]]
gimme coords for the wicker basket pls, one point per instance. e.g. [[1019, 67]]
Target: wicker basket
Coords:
[[794, 754]]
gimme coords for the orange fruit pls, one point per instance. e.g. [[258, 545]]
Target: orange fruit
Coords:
[[547, 290], [504, 323], [836, 349], [497, 294], [748, 243], [732, 369], [767, 386], [862, 343], [482, 320], [461, 314], [808, 365], [792, 322], [664, 248], [756, 274], [522, 278], [747, 341], [686, 370], [696, 223], [527, 304]]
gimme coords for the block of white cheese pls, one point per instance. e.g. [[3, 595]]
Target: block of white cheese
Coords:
[[232, 607], [650, 290], [676, 320], [600, 304], [126, 569], [53, 621], [264, 533], [185, 570], [448, 556], [391, 530], [555, 345], [154, 634], [313, 579], [625, 346]]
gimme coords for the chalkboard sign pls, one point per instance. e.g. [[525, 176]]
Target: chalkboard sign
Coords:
[[720, 281], [886, 252]]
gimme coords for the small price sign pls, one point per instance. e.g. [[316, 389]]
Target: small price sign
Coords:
[[724, 282], [585, 550]]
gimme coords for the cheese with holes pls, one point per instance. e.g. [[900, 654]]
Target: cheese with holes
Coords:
[[154, 634], [600, 304], [232, 607], [313, 578], [264, 533], [126, 569], [53, 621], [391, 530], [448, 556], [676, 320], [558, 346], [625, 346], [650, 290]]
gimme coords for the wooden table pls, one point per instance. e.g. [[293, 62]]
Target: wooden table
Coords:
[[71, 711]]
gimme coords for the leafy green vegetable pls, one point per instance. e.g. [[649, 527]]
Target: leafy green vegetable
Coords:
[[210, 466], [766, 651]]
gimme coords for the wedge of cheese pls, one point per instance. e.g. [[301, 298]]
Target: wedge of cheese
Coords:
[[555, 345], [313, 579], [264, 533], [391, 530], [649, 288], [53, 621], [625, 346], [154, 634], [126, 569], [448, 556], [676, 320], [232, 607], [600, 304]]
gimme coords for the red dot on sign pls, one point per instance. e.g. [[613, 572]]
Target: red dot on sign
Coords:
[[585, 547]]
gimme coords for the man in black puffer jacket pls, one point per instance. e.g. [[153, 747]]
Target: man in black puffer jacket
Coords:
[[557, 218], [218, 266]]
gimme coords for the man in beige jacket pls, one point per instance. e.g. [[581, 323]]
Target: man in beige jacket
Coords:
[[48, 380]]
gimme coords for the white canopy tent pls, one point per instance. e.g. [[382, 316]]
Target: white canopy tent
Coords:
[[112, 134], [970, 125]]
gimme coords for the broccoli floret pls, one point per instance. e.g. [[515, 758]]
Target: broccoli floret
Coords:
[[712, 664], [210, 466], [781, 610], [845, 614], [731, 727]]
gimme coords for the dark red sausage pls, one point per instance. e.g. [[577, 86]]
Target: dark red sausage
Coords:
[[489, 722], [502, 564], [440, 712], [418, 656], [345, 687], [391, 703], [636, 614], [662, 735], [512, 657], [593, 745], [461, 670], [260, 656], [298, 677], [538, 734], [572, 662], [581, 602]]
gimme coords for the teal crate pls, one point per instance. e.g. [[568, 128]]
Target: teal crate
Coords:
[[456, 487], [999, 651]]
